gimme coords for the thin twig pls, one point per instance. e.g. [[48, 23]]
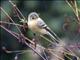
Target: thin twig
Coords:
[[77, 14], [9, 31], [10, 18], [3, 22], [75, 10], [55, 55], [17, 10], [45, 55], [24, 42], [34, 50]]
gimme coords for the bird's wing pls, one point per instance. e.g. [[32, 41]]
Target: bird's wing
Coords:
[[42, 24]]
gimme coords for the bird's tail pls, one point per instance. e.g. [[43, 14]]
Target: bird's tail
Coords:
[[53, 35]]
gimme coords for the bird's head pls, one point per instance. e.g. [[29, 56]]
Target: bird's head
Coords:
[[33, 16]]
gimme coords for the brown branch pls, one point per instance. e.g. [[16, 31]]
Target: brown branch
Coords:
[[17, 11], [9, 18], [75, 9], [3, 22]]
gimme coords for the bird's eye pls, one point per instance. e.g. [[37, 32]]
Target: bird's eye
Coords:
[[33, 17]]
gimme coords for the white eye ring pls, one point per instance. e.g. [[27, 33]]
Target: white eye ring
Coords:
[[33, 16]]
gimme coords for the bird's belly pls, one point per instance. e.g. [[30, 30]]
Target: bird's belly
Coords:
[[36, 29]]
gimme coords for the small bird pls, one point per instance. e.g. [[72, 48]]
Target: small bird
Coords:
[[37, 25]]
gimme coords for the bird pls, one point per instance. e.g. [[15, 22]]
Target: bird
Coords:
[[37, 25]]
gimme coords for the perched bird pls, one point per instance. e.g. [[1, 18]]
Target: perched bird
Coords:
[[37, 25]]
